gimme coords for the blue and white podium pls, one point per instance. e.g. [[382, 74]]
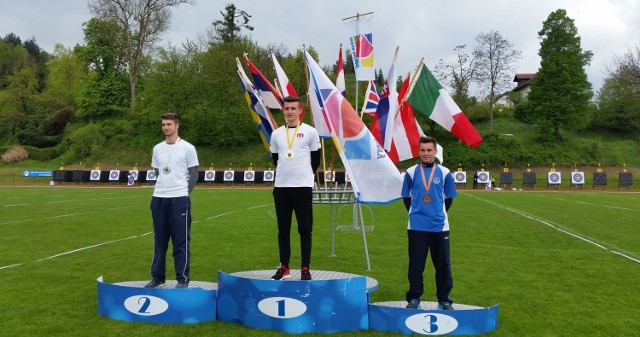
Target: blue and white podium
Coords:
[[130, 301], [429, 320], [331, 302]]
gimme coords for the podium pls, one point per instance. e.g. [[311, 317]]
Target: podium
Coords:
[[330, 302], [428, 320], [131, 302]]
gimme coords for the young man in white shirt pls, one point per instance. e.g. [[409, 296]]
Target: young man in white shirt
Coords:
[[295, 149], [176, 164]]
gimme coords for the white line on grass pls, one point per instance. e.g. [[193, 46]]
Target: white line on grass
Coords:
[[546, 222], [65, 215], [18, 221], [11, 266], [227, 213], [16, 205], [92, 246]]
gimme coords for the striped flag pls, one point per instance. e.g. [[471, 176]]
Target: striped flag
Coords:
[[406, 130], [270, 95], [374, 177], [371, 99], [340, 84], [427, 96], [264, 121], [382, 125], [285, 85]]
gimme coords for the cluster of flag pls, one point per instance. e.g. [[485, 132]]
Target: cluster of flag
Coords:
[[368, 155]]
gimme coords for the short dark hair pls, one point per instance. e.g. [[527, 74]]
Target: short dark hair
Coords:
[[428, 139], [292, 99], [171, 116]]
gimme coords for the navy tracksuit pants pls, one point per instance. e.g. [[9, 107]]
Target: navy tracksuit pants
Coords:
[[419, 244], [299, 200], [171, 220]]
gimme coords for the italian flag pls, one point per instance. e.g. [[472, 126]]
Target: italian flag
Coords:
[[427, 96]]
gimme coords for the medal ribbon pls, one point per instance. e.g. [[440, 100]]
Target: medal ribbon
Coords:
[[295, 132], [427, 185]]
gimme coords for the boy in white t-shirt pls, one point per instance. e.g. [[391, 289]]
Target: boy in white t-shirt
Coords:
[[176, 164], [295, 149]]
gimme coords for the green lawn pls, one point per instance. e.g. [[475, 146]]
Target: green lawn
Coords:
[[557, 263]]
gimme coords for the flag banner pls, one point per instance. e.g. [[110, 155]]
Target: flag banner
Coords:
[[371, 99], [382, 125], [270, 95], [264, 121], [427, 96], [361, 42], [286, 87], [340, 84], [374, 177], [316, 112], [406, 131]]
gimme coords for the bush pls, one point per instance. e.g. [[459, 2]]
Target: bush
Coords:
[[15, 154]]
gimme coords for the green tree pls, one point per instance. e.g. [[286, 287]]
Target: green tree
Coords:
[[560, 93], [142, 23], [12, 59], [618, 108], [105, 92], [228, 28], [66, 76]]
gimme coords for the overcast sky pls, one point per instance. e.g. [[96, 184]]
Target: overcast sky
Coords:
[[421, 28]]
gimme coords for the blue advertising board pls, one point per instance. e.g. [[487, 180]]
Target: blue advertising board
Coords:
[[37, 173]]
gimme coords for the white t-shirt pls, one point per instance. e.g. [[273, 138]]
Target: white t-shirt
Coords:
[[296, 171], [173, 162]]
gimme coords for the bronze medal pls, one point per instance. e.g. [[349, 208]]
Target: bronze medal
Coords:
[[426, 199]]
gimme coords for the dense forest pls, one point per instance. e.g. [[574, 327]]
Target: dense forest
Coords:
[[100, 101]]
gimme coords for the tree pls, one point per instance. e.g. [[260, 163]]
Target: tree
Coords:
[[105, 93], [495, 58], [619, 97], [143, 21], [560, 93], [228, 28], [66, 76], [459, 74]]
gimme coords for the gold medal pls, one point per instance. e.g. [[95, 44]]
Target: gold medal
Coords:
[[289, 155], [426, 199]]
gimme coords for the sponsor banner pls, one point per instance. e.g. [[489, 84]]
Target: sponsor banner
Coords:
[[37, 173]]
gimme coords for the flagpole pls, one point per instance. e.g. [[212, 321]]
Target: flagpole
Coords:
[[324, 163], [357, 16]]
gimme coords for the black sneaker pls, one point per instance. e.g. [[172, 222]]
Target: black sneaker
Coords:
[[305, 274], [182, 285], [414, 304], [282, 273], [445, 305], [153, 284]]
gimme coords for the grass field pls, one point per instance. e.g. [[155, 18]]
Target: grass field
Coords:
[[557, 263]]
